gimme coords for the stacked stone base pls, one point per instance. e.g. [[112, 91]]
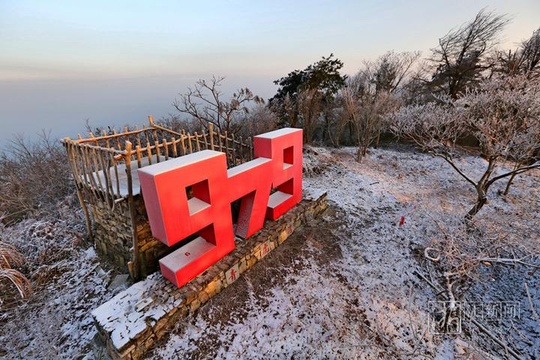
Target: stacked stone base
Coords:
[[112, 233], [113, 236], [135, 319]]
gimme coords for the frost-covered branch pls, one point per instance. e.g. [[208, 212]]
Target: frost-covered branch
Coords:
[[452, 163], [517, 171], [204, 103], [503, 116]]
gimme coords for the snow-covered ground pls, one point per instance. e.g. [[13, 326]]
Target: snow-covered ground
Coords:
[[68, 282], [344, 287]]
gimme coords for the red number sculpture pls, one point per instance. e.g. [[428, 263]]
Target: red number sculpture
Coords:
[[192, 195], [284, 147]]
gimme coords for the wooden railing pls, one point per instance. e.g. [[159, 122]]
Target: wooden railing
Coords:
[[105, 165]]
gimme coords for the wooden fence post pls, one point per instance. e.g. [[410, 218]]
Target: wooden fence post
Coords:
[[211, 131], [134, 264]]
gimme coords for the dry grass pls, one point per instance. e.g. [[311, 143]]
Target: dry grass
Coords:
[[34, 179], [10, 257]]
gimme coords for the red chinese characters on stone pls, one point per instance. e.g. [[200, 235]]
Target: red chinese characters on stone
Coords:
[[232, 276], [193, 194]]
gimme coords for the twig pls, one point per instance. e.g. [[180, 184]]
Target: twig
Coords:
[[535, 314], [429, 257], [480, 326], [413, 328], [451, 296], [409, 306], [508, 261]]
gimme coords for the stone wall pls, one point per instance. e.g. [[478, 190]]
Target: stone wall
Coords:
[[135, 319], [112, 232], [113, 236]]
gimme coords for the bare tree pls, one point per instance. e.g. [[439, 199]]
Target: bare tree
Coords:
[[503, 115], [526, 152], [366, 117], [260, 120], [459, 59], [371, 94], [391, 70], [508, 110], [204, 103], [531, 53], [524, 60]]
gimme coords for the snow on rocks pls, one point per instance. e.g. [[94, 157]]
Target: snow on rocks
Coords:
[[127, 315]]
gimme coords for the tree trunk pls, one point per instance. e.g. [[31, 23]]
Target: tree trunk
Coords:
[[509, 183], [361, 152], [480, 202], [481, 189]]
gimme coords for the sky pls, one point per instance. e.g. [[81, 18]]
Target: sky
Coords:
[[116, 62]]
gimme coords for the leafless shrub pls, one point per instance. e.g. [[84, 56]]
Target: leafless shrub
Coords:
[[34, 178], [309, 105], [461, 257], [260, 120], [371, 94], [179, 124], [366, 117]]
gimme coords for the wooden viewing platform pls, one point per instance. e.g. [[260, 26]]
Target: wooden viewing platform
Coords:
[[104, 170]]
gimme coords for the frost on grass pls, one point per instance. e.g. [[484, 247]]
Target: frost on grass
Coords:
[[68, 282], [313, 315], [366, 303], [342, 288]]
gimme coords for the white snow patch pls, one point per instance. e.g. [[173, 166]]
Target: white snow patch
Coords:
[[125, 316]]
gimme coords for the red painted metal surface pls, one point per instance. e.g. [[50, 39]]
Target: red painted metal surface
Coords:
[[252, 183], [284, 147], [173, 216], [192, 195]]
